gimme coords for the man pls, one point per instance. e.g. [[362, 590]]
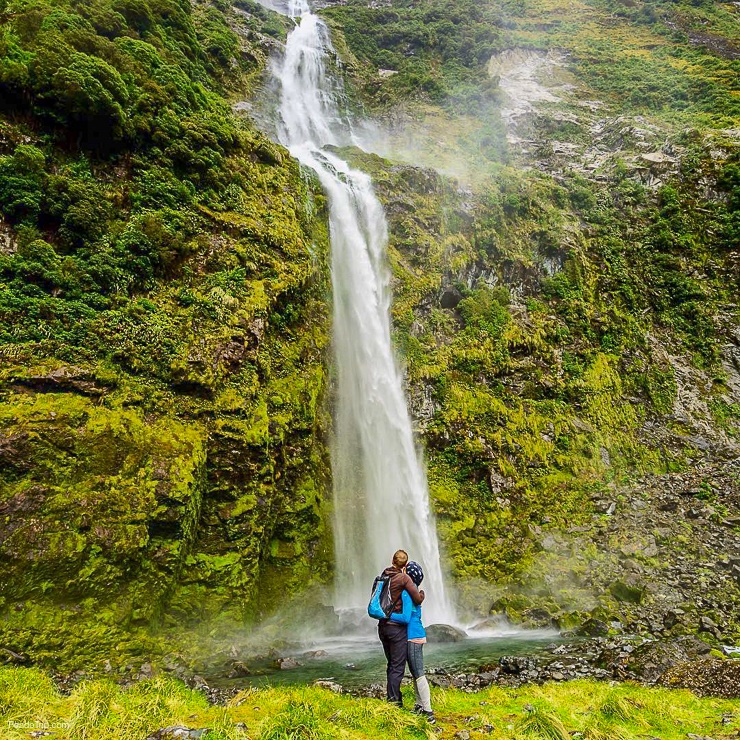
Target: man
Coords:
[[392, 634]]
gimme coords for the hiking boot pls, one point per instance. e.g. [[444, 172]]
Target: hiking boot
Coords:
[[418, 709], [429, 716]]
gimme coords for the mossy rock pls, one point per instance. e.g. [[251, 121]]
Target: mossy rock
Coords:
[[625, 592]]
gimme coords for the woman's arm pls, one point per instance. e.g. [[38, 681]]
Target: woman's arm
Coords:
[[404, 616]]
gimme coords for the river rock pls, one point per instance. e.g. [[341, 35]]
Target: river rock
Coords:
[[312, 654], [445, 633], [239, 669], [286, 664], [517, 664]]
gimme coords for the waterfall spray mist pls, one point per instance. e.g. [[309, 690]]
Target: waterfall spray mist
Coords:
[[381, 502]]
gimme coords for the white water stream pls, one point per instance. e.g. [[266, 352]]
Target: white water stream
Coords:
[[381, 501]]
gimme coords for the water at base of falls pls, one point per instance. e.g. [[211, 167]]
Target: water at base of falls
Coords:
[[381, 502]]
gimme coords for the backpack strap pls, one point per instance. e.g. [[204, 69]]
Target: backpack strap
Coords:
[[395, 603]]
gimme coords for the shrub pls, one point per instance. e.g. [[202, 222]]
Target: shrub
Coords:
[[22, 178]]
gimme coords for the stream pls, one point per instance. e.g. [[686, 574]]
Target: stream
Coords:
[[357, 662]]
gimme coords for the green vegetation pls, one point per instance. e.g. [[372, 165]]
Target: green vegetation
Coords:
[[545, 316], [163, 324], [164, 299], [100, 709], [635, 53], [435, 47], [536, 380]]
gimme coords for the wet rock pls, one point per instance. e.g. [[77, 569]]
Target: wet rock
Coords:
[[444, 633], [537, 617], [516, 663], [325, 620], [239, 670], [287, 664], [316, 654], [330, 685]]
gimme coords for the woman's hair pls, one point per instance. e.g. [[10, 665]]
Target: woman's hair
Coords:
[[400, 558]]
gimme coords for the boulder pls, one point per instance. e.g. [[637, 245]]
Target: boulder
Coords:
[[709, 625], [673, 617], [239, 669], [286, 664], [488, 624], [629, 592], [445, 633], [594, 628], [652, 659]]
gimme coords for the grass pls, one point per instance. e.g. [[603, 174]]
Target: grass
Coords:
[[596, 711]]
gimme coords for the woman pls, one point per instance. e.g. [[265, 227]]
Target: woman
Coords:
[[417, 636]]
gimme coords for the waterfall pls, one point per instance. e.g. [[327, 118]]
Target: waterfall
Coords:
[[381, 501]]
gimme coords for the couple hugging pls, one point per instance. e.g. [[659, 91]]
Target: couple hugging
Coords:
[[403, 635]]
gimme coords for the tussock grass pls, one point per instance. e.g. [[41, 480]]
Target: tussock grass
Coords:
[[540, 723], [97, 710]]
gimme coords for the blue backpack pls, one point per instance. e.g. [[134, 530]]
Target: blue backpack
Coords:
[[381, 606]]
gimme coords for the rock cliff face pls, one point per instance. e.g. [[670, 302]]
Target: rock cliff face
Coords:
[[562, 280], [562, 192], [164, 302]]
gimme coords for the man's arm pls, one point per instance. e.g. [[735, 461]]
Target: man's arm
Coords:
[[416, 596]]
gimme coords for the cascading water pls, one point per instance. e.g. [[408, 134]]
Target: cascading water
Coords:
[[380, 492]]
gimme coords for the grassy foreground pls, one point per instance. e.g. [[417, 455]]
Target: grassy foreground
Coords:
[[29, 702]]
